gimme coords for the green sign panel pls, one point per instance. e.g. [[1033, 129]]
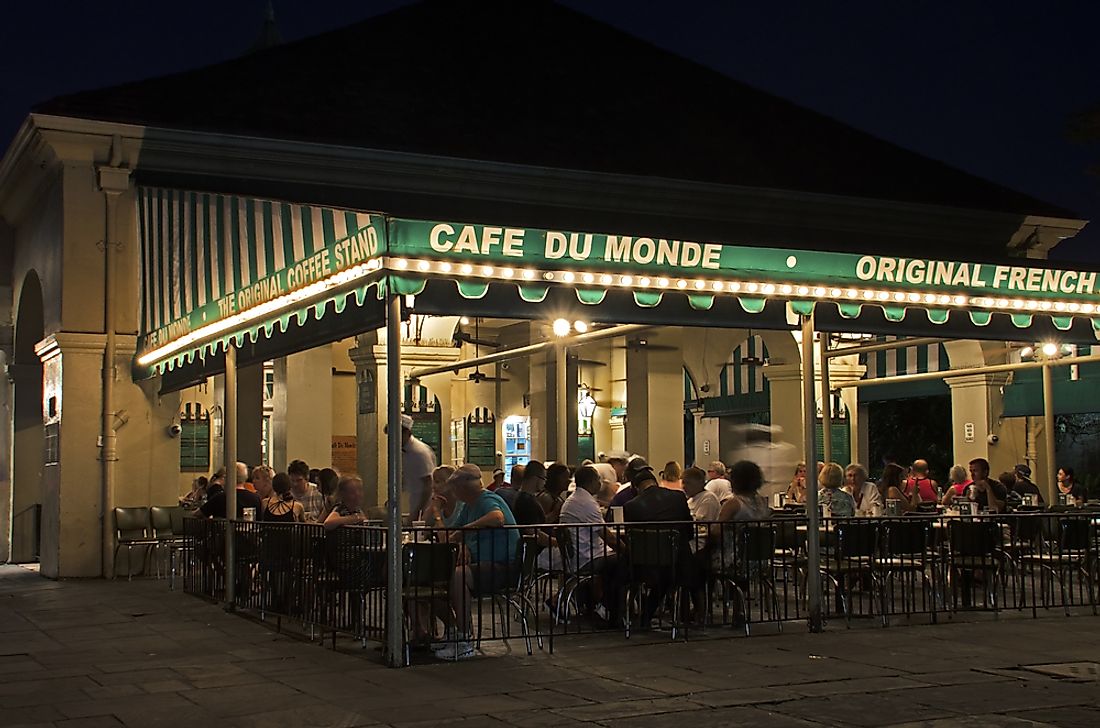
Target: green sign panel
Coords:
[[481, 445], [428, 428]]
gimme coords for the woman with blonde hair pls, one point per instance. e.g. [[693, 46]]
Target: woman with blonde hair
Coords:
[[839, 502], [672, 476]]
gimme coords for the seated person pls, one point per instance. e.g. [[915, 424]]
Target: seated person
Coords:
[[1070, 488], [989, 494], [552, 496], [704, 505], [919, 488], [717, 482], [444, 508], [281, 506], [839, 502], [796, 491], [348, 510], [867, 497], [214, 507], [960, 482], [524, 505], [1022, 484], [487, 554]]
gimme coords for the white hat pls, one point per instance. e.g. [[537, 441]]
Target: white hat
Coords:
[[406, 423]]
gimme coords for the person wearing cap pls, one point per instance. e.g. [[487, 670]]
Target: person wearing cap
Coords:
[[1023, 484], [498, 480], [634, 466], [487, 555], [417, 464]]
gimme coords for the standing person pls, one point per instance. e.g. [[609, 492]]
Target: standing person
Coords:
[[919, 488], [796, 491], [671, 476], [417, 464], [261, 481], [717, 482], [1068, 486], [869, 503], [988, 494], [305, 492], [280, 506], [841, 504]]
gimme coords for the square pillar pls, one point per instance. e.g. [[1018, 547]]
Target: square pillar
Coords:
[[655, 399], [976, 408]]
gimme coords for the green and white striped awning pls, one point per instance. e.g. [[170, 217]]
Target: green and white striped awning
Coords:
[[217, 267]]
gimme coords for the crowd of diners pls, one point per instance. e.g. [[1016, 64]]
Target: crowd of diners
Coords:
[[464, 506], [850, 492]]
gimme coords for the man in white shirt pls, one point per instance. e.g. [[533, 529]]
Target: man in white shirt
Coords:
[[417, 464], [581, 508], [704, 505], [717, 482]]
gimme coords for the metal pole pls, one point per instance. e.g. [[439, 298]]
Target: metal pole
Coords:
[[1048, 431], [395, 647], [560, 404], [522, 351], [229, 432], [968, 371], [809, 420], [826, 404], [884, 346]]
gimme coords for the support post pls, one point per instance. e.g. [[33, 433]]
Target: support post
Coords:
[[826, 404], [395, 648], [809, 417], [229, 432], [1048, 433], [561, 404]]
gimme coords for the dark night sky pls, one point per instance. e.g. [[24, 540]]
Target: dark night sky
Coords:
[[989, 92]]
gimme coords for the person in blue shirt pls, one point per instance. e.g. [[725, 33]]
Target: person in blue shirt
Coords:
[[487, 556]]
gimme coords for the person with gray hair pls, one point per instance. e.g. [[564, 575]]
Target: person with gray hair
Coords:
[[866, 494], [717, 482], [215, 506]]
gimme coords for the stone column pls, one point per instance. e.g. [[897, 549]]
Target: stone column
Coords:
[[250, 414], [976, 407], [785, 385], [301, 423], [841, 371], [655, 398]]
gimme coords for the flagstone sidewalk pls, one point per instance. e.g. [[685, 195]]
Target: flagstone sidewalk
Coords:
[[93, 653]]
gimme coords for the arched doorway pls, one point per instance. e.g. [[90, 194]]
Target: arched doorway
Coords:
[[28, 433]]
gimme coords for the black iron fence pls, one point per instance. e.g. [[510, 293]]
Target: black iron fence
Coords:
[[462, 588]]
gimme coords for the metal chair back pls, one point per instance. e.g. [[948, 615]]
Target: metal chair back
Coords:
[[132, 524]]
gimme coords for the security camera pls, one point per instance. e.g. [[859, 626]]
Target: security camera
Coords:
[[174, 430], [993, 439]]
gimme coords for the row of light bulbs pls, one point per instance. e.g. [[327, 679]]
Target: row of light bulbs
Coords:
[[715, 286], [344, 277]]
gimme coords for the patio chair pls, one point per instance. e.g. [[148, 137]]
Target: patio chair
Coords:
[[519, 594], [908, 551], [574, 576], [171, 542], [427, 570], [754, 552], [975, 548], [133, 530], [1074, 552], [853, 556], [654, 555]]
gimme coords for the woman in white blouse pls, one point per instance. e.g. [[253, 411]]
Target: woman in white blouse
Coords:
[[868, 499]]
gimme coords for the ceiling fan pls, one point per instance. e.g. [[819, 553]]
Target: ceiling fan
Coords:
[[754, 360], [640, 343], [477, 376]]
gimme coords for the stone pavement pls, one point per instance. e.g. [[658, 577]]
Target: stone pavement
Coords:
[[92, 653]]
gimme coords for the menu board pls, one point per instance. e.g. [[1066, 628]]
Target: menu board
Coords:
[[481, 445], [427, 427], [345, 454]]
